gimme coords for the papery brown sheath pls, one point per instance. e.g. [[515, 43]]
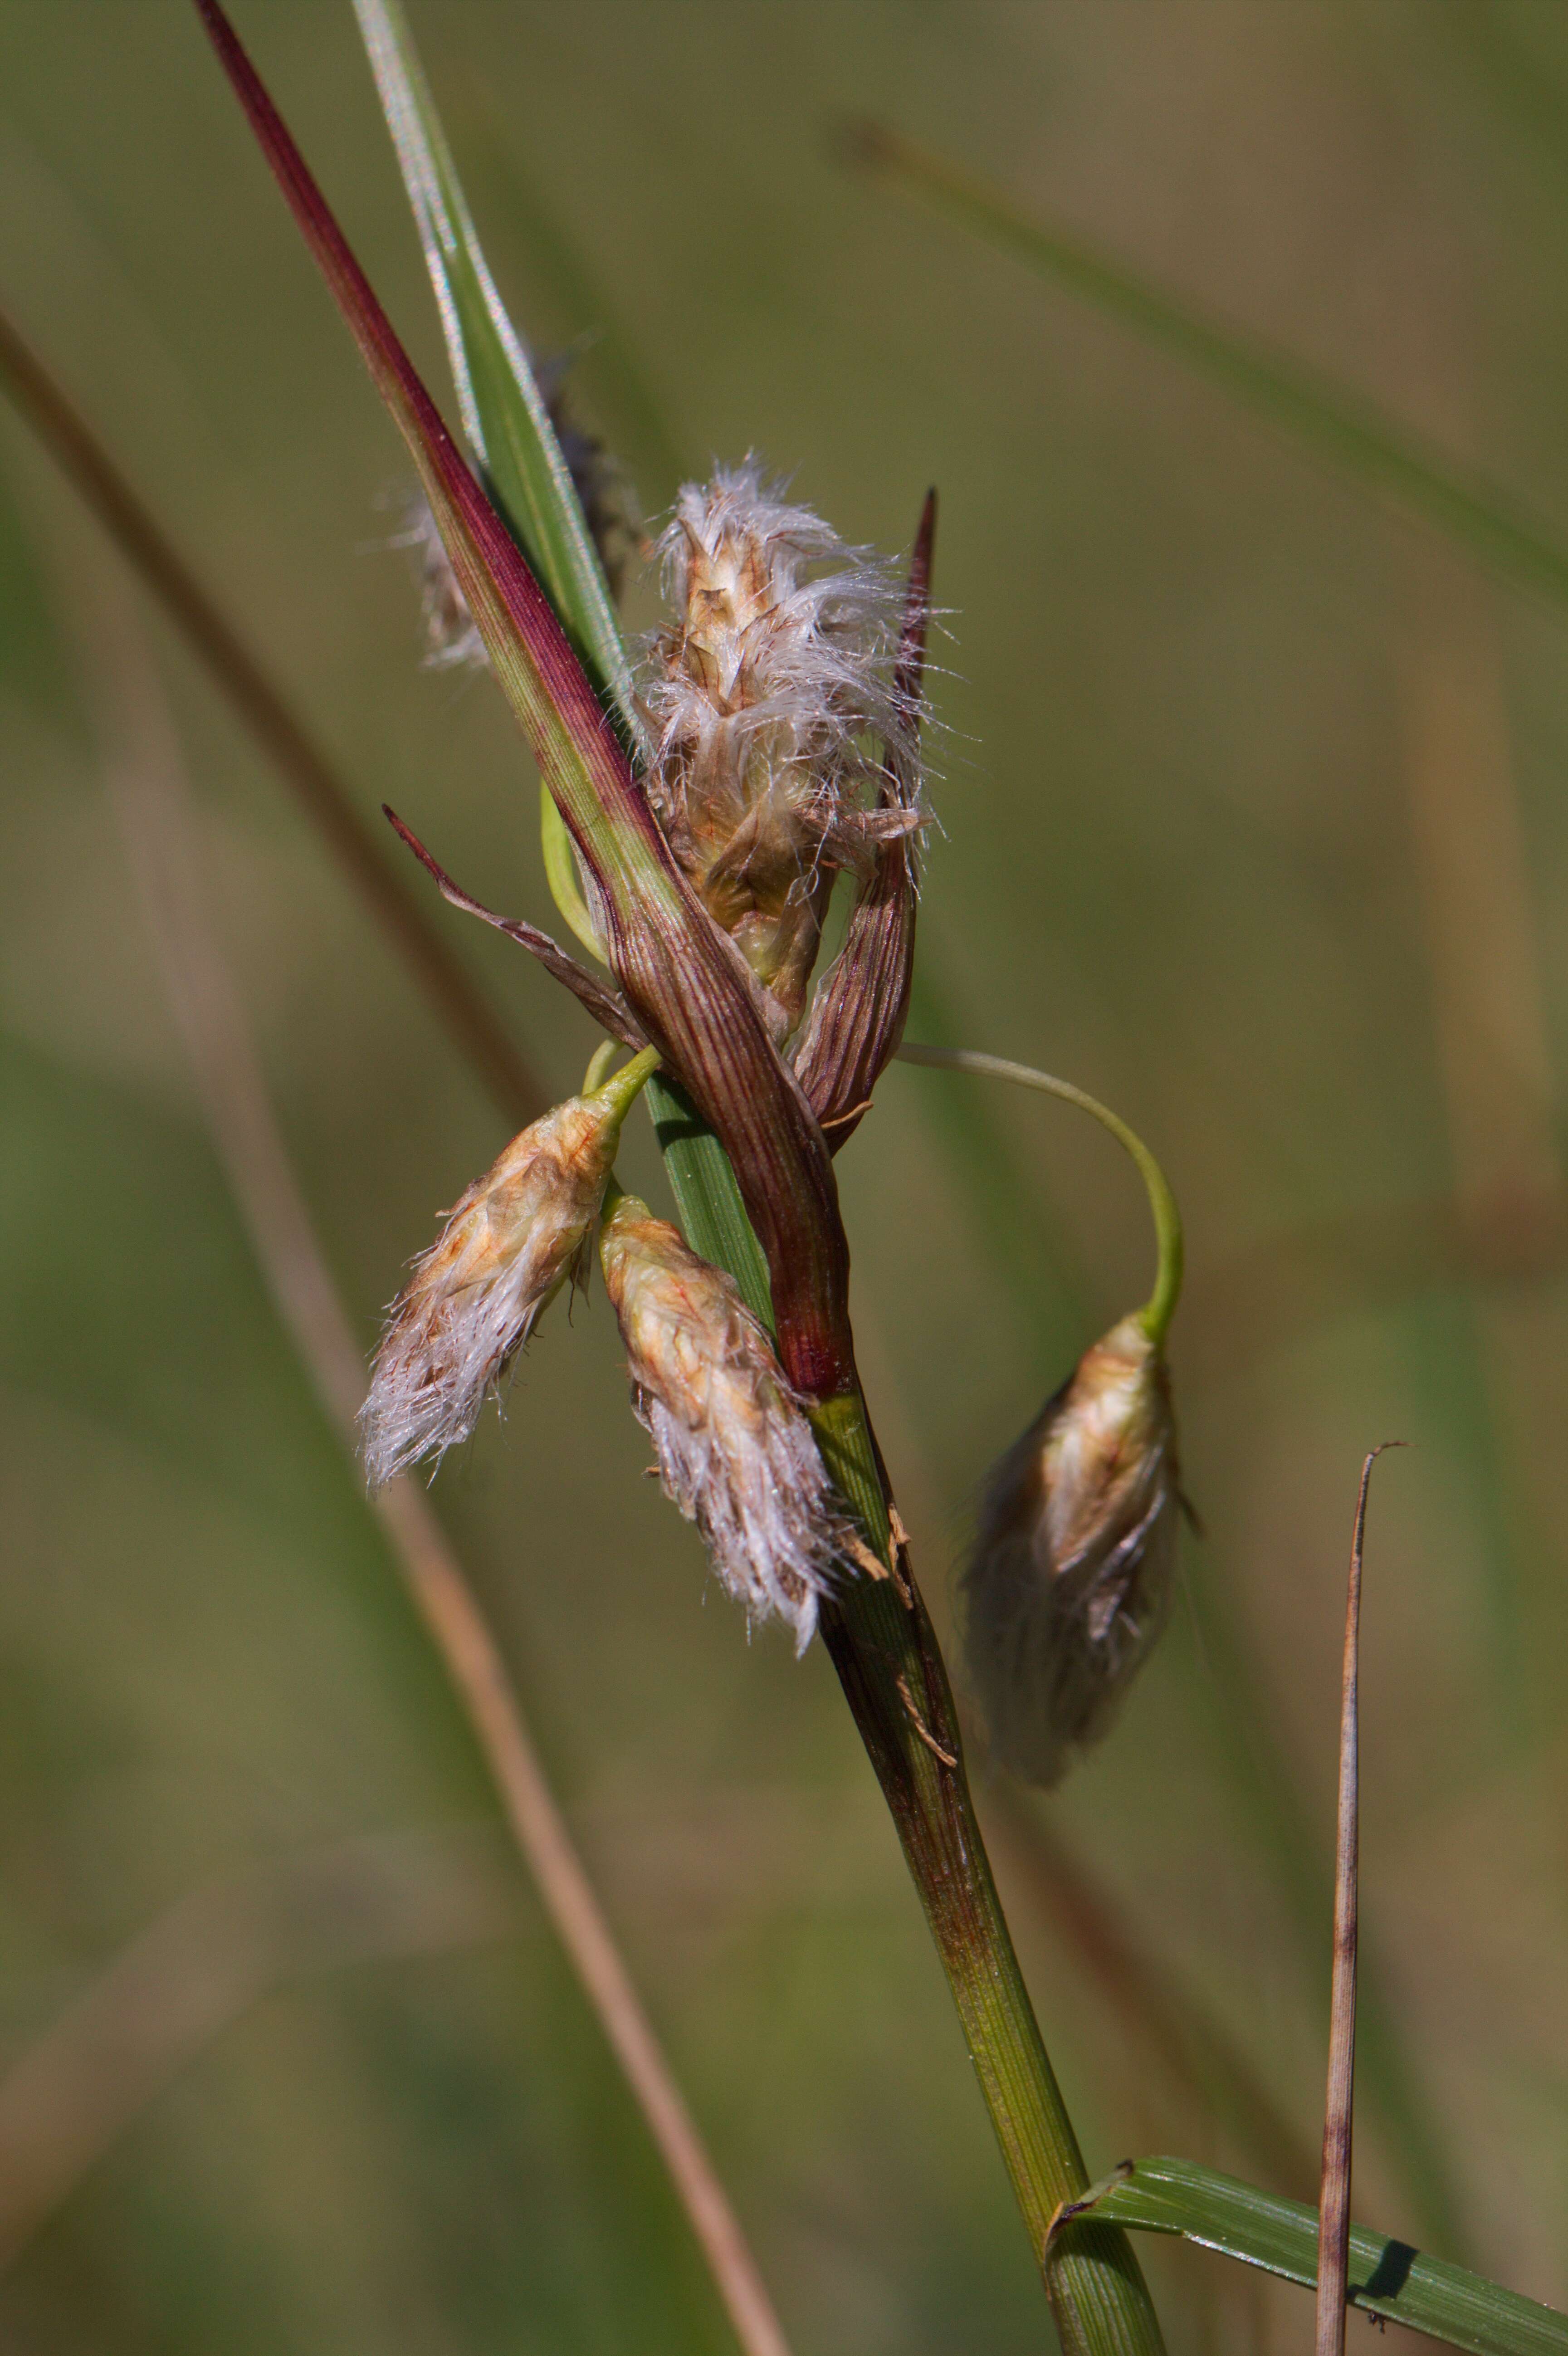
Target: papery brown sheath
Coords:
[[858, 1012]]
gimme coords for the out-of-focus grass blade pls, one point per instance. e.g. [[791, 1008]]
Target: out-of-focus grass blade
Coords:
[[1388, 2278], [1337, 423], [245, 681], [504, 413]]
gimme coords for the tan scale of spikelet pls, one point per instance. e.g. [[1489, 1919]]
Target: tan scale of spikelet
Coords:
[[1071, 1580], [473, 1298], [735, 1451], [771, 696]]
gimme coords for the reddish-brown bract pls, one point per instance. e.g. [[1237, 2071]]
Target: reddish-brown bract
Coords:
[[858, 1013]]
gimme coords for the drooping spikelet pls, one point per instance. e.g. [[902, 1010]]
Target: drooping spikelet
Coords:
[[1071, 1580], [735, 1452], [473, 1298], [771, 696]]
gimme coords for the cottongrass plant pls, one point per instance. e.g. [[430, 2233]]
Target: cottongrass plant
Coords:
[[694, 832]]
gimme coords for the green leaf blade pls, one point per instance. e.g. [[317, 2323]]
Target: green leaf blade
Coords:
[[1388, 2278], [504, 413]]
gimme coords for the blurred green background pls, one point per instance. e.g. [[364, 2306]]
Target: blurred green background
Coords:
[[1254, 823]]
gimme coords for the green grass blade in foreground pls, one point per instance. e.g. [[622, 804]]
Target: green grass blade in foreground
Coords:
[[1388, 2278], [1337, 423], [504, 413]]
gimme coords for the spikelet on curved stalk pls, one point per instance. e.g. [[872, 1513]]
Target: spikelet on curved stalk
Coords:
[[765, 694], [735, 1451], [473, 1298], [1070, 1582]]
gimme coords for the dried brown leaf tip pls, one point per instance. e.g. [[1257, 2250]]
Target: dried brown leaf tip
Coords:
[[774, 694], [735, 1450], [475, 1297], [1071, 1580]]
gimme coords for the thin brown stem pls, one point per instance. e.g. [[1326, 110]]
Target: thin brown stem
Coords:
[[1334, 2200], [266, 712], [145, 776]]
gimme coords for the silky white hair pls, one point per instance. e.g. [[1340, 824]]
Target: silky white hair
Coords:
[[773, 701], [735, 1451], [475, 1297], [796, 633]]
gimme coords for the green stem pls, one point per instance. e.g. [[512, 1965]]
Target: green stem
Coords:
[[560, 872], [1161, 1307], [879, 1637], [621, 1091]]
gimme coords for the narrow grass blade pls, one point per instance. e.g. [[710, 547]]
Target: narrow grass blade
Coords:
[[534, 664], [1339, 2099], [559, 264], [504, 413], [243, 680], [1336, 423], [1387, 2278]]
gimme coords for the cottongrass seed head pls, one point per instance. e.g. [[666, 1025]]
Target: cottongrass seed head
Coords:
[[735, 1451], [1071, 1580], [771, 696], [473, 1298]]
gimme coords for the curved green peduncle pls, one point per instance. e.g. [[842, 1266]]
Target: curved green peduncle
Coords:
[[1161, 1307]]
